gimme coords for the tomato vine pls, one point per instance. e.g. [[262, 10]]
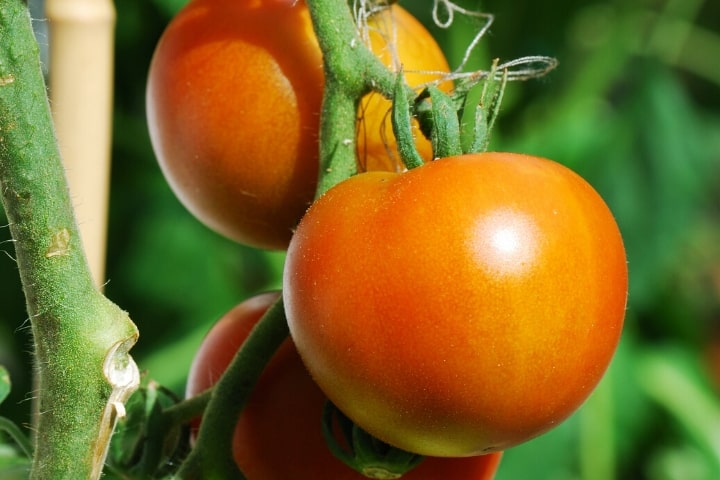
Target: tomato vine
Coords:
[[75, 326]]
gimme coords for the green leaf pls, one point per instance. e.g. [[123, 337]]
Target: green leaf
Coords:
[[4, 383], [145, 444], [674, 380]]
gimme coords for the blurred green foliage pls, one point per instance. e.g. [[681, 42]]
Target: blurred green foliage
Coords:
[[634, 107]]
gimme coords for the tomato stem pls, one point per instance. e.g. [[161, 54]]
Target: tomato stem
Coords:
[[188, 409], [83, 370], [351, 71], [212, 456]]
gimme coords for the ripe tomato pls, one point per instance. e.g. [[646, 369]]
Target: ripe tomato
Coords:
[[233, 97], [233, 104], [463, 307], [278, 436]]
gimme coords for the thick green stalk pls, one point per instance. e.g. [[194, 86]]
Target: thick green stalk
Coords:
[[84, 372]]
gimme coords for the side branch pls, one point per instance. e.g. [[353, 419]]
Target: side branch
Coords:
[[212, 456]]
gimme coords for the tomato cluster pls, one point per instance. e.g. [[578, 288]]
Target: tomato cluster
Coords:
[[454, 310]]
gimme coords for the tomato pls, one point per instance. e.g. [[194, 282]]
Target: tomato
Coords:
[[278, 435], [233, 96], [233, 105], [463, 307]]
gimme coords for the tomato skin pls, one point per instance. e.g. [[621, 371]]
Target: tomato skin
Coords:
[[278, 434], [463, 307], [233, 100]]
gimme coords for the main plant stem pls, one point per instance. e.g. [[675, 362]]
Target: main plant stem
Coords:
[[84, 372]]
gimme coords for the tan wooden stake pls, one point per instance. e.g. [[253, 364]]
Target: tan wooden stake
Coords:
[[81, 43]]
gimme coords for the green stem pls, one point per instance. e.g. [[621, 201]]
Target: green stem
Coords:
[[338, 138], [596, 441], [186, 410], [81, 338], [212, 457], [351, 71]]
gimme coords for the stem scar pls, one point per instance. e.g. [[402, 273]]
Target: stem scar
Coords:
[[59, 244], [6, 79]]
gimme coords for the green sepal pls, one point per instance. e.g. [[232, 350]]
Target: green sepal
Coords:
[[442, 125], [402, 126], [480, 107], [361, 451], [473, 121]]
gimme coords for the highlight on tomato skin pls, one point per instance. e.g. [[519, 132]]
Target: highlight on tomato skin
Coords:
[[278, 435], [233, 99], [463, 307]]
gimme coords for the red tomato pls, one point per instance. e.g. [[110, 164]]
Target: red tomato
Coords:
[[233, 105], [463, 307], [278, 436]]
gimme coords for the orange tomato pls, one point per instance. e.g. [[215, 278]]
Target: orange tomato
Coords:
[[463, 307], [233, 96]]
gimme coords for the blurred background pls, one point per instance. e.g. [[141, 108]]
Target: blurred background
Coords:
[[634, 107]]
